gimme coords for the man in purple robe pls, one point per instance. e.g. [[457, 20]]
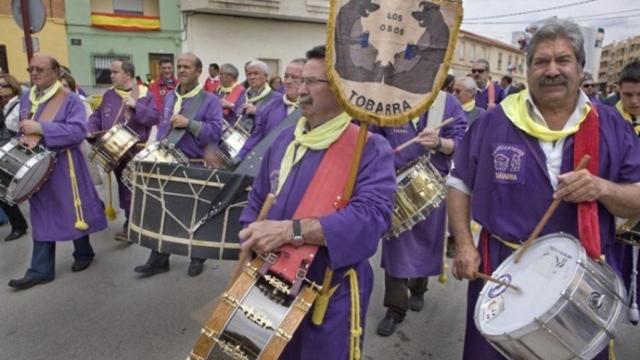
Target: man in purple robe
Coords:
[[489, 93], [231, 93], [53, 208], [465, 89], [276, 109], [519, 156], [412, 257], [259, 93], [122, 105], [347, 238], [201, 131]]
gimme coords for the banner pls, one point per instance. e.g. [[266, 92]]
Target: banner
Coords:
[[387, 59], [119, 22]]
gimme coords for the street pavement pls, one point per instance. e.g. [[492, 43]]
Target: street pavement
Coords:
[[107, 312]]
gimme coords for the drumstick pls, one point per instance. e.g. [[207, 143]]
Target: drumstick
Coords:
[[547, 215], [404, 145], [244, 254], [93, 134], [486, 277]]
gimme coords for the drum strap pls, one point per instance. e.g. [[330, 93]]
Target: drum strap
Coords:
[[50, 110], [249, 166], [587, 142], [175, 135]]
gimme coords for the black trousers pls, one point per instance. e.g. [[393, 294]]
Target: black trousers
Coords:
[[396, 297], [17, 220]]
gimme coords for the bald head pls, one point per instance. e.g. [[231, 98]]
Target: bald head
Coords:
[[189, 69], [43, 71]]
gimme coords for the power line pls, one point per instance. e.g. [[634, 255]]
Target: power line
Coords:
[[534, 11]]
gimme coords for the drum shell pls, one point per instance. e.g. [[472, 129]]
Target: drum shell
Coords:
[[169, 199], [157, 152], [575, 326], [18, 163], [111, 149]]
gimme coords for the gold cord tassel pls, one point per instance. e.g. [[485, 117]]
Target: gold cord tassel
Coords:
[[80, 224], [356, 329], [612, 352], [109, 210]]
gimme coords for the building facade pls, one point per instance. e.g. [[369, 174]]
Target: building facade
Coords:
[[236, 31], [100, 31], [615, 57], [504, 59], [52, 39]]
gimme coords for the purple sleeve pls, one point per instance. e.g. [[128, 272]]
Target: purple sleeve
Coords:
[[267, 118], [146, 113], [259, 189], [69, 131], [629, 172], [95, 120], [211, 123], [237, 107], [352, 234], [455, 130]]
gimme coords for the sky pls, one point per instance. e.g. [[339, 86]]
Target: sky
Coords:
[[619, 18]]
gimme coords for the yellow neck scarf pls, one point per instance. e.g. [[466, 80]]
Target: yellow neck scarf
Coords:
[[319, 138], [142, 92], [469, 106], [627, 116], [515, 107], [289, 103], [227, 90], [266, 91], [177, 105], [48, 94]]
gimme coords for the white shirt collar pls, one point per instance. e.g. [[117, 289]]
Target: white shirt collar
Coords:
[[582, 107]]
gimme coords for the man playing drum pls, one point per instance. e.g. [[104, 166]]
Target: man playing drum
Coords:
[[410, 258], [201, 131], [67, 206], [259, 93], [519, 156], [267, 117], [135, 108], [347, 238], [230, 92]]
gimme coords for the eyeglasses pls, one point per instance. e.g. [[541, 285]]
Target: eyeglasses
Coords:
[[5, 86], [588, 85], [311, 80], [477, 71], [457, 91], [36, 69], [292, 77]]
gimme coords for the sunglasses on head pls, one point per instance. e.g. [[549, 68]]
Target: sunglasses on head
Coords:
[[477, 71]]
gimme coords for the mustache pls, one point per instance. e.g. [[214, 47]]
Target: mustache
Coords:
[[305, 100], [555, 80]]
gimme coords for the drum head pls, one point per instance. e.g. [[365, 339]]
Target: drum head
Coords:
[[30, 176], [546, 269]]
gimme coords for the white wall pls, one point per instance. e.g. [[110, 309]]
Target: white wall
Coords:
[[227, 39]]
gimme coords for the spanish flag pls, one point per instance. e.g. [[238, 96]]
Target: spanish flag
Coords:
[[120, 22]]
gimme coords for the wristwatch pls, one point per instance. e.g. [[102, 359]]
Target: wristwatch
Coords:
[[297, 239]]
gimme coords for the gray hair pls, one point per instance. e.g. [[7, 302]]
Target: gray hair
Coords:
[[127, 67], [559, 29], [260, 65], [485, 62], [468, 83], [230, 69]]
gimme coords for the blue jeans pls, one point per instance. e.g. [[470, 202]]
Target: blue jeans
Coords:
[[43, 259]]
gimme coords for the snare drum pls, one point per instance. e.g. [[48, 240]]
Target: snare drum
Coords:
[[569, 308], [23, 171], [420, 189], [231, 142], [109, 151], [157, 152], [629, 232]]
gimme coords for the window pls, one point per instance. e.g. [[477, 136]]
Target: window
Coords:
[[133, 7], [499, 61], [473, 52], [102, 67], [4, 64], [461, 50]]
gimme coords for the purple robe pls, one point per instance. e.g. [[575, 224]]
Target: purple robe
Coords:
[[482, 97], [268, 116], [141, 118], [231, 115], [418, 252], [52, 210], [209, 114], [502, 200], [351, 235]]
